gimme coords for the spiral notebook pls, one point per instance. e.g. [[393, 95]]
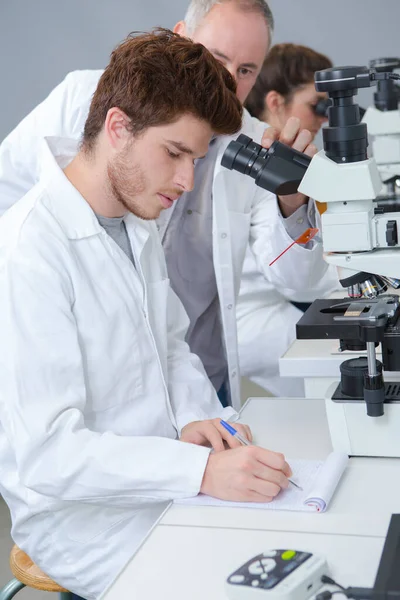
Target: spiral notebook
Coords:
[[319, 480]]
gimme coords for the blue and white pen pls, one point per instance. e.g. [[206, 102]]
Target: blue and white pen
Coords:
[[245, 442]]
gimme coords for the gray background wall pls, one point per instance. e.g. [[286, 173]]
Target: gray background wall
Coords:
[[42, 40]]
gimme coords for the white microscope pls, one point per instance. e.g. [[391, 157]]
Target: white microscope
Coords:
[[383, 123], [358, 236]]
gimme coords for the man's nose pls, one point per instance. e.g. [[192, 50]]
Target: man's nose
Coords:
[[185, 178]]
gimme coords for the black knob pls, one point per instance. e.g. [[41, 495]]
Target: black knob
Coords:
[[352, 376], [391, 233], [374, 394]]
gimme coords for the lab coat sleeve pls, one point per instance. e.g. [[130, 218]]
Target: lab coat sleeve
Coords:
[[192, 395], [298, 269], [62, 114], [42, 397]]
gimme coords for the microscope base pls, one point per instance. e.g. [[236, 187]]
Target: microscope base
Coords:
[[352, 431]]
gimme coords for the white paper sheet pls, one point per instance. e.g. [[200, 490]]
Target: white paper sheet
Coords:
[[319, 480]]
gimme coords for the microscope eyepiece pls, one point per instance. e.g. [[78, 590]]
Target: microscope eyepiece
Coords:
[[321, 107], [278, 169]]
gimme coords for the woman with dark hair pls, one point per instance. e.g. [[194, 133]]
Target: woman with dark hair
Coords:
[[266, 317], [285, 88]]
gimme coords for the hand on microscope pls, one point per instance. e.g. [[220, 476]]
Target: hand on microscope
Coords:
[[299, 139]]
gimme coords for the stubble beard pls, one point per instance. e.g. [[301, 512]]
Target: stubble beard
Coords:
[[127, 184]]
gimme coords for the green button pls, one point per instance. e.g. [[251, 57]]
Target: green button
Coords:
[[288, 554]]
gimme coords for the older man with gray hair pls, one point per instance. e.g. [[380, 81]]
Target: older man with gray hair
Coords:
[[205, 236]]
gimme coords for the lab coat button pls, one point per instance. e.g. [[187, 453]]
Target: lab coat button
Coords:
[[224, 235], [229, 306], [233, 373]]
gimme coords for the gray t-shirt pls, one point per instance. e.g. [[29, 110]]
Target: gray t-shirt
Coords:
[[116, 229]]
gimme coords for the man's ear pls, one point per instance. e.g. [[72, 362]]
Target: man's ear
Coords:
[[180, 29], [274, 101], [116, 127]]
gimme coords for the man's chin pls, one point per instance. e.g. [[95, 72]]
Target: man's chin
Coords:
[[146, 213], [146, 216]]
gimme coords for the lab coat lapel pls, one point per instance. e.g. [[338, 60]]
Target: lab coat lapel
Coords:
[[224, 264]]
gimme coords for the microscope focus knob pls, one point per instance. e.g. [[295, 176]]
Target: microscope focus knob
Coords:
[[352, 373], [374, 394]]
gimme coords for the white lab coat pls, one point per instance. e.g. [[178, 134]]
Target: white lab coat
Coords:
[[242, 212], [96, 383], [266, 325]]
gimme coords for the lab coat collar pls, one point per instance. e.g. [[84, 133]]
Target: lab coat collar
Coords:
[[66, 204]]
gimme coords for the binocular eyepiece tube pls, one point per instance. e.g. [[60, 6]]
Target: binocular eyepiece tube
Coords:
[[278, 169]]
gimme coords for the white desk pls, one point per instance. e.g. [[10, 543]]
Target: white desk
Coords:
[[192, 563], [298, 428], [192, 550]]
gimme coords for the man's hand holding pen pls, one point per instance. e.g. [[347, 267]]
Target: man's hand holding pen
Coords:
[[243, 472], [212, 433]]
